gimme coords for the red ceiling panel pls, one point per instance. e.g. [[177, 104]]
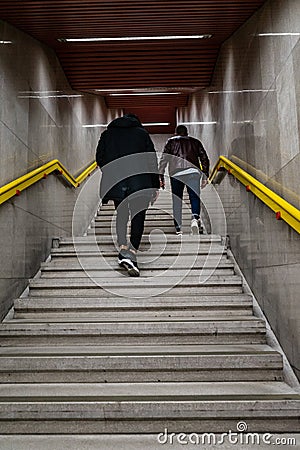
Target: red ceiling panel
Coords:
[[128, 101], [178, 65], [156, 114]]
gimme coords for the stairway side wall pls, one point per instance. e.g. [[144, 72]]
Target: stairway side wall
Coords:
[[255, 100], [33, 131]]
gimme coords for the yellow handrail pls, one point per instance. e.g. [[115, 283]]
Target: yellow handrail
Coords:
[[17, 186], [281, 207]]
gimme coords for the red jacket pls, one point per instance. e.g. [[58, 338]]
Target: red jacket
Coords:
[[183, 152]]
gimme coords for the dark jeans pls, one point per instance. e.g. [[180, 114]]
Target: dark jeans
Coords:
[[135, 206], [192, 183]]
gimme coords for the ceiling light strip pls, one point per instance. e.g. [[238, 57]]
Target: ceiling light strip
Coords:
[[161, 124], [163, 90], [135, 38], [144, 93], [199, 123], [103, 125], [242, 91], [279, 34], [50, 96]]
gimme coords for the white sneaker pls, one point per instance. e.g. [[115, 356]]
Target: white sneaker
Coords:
[[195, 226]]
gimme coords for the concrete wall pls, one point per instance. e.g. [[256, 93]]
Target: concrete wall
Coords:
[[36, 126], [255, 100], [159, 141]]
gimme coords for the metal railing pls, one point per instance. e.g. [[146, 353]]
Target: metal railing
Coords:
[[283, 210], [15, 187]]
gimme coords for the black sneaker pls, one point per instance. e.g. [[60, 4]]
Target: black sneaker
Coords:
[[177, 229], [127, 260], [201, 227]]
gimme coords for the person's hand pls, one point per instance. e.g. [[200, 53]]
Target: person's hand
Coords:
[[154, 197], [204, 183]]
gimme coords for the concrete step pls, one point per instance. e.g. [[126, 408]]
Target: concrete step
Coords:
[[150, 221], [169, 251], [127, 441], [147, 407], [137, 288], [145, 261], [60, 267], [167, 227], [170, 264], [156, 237], [149, 224], [111, 307], [131, 317], [157, 248], [163, 209], [242, 330], [99, 292], [161, 280], [152, 244], [121, 316], [155, 366], [49, 273], [168, 230], [163, 214], [157, 208], [123, 349]]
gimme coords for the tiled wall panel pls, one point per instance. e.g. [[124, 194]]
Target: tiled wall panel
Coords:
[[254, 99], [34, 130]]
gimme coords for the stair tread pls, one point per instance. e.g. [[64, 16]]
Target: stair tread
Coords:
[[120, 441], [127, 303], [140, 318], [148, 263], [115, 273], [57, 266], [161, 250], [77, 350], [135, 291], [127, 281], [203, 238], [136, 391], [133, 363], [196, 322]]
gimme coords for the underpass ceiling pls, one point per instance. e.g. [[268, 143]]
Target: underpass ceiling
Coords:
[[175, 68]]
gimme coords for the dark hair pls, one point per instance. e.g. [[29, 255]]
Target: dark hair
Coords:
[[133, 116], [182, 130]]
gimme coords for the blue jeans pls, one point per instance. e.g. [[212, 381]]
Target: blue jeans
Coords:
[[192, 183]]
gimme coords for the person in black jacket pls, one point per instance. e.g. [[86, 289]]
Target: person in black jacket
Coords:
[[127, 159]]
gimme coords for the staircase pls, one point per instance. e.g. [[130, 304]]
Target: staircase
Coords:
[[91, 351]]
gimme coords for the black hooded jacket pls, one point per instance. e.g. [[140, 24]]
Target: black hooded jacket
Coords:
[[127, 159]]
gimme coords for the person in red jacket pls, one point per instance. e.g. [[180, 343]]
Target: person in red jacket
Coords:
[[188, 165]]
